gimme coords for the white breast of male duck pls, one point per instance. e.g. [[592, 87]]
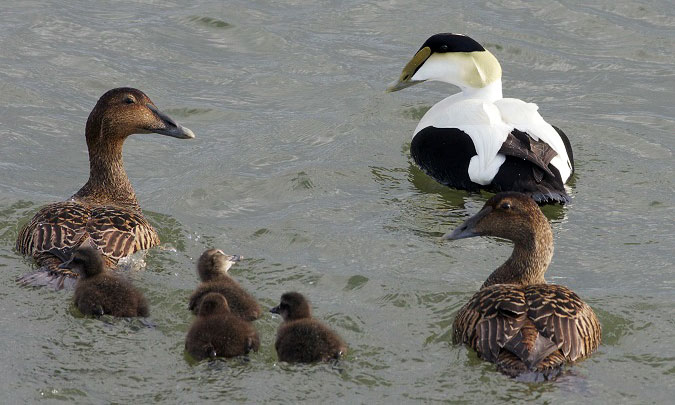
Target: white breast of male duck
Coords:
[[477, 138]]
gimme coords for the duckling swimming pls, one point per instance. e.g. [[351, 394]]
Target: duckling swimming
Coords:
[[527, 327], [301, 338], [99, 292], [219, 333], [476, 139], [104, 213], [212, 268]]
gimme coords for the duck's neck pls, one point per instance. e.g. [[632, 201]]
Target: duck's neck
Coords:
[[492, 92], [528, 262], [108, 181]]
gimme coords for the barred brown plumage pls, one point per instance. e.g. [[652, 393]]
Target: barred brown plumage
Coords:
[[104, 213], [529, 328]]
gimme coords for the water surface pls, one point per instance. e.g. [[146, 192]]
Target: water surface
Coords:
[[301, 164]]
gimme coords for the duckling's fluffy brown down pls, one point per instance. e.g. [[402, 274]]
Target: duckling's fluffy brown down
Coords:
[[212, 268], [100, 292], [301, 338], [218, 333], [529, 328], [104, 213]]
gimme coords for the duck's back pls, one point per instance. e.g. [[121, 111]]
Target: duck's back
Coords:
[[241, 303], [221, 335], [535, 328], [59, 228], [111, 295], [307, 341]]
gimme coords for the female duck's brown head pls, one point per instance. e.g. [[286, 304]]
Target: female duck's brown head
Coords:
[[119, 113], [516, 217]]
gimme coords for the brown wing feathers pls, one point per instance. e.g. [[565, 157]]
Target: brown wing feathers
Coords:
[[542, 325]]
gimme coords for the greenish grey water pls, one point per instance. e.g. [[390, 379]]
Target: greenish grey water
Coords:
[[301, 164]]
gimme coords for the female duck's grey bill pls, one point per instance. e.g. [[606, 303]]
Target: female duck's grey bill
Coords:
[[409, 71], [171, 127], [466, 229]]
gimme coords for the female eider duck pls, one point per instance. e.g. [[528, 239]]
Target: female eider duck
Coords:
[[529, 328], [104, 213], [212, 268], [477, 139], [99, 292], [218, 333], [301, 338]]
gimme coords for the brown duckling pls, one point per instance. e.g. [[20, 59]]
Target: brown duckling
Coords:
[[529, 328], [219, 333], [104, 213], [301, 338], [212, 268], [100, 292]]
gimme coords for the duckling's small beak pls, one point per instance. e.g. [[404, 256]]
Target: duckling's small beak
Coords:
[[405, 80], [234, 258], [169, 126], [275, 310], [467, 228], [66, 265]]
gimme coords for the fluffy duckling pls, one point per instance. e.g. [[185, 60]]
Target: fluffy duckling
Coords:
[[218, 333], [104, 213], [476, 139], [301, 338], [212, 268], [529, 328], [100, 292]]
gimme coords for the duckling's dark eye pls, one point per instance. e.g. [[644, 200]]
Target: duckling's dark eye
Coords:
[[505, 206], [129, 100]]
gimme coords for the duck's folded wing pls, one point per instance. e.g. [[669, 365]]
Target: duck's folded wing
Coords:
[[521, 145], [492, 317], [559, 314], [56, 229], [119, 232]]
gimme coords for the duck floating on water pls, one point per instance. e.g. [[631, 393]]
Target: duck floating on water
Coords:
[[476, 139], [301, 338], [99, 292], [529, 328], [218, 333], [212, 268], [104, 213]]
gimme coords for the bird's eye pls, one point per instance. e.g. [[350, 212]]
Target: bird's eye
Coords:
[[444, 47], [505, 206], [129, 100]]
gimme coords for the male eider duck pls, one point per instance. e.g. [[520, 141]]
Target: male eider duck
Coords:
[[527, 327], [477, 139], [301, 338], [212, 268], [104, 213], [218, 333], [99, 292]]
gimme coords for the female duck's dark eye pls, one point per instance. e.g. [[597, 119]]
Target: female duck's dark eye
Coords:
[[505, 206], [129, 100]]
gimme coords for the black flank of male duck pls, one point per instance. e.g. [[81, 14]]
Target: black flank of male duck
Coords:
[[104, 213], [99, 292], [476, 139], [212, 268], [218, 333], [529, 328], [301, 338]]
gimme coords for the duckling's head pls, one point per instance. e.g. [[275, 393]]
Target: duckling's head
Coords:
[[87, 261], [213, 303], [214, 263], [124, 111], [509, 215], [293, 305], [451, 58]]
